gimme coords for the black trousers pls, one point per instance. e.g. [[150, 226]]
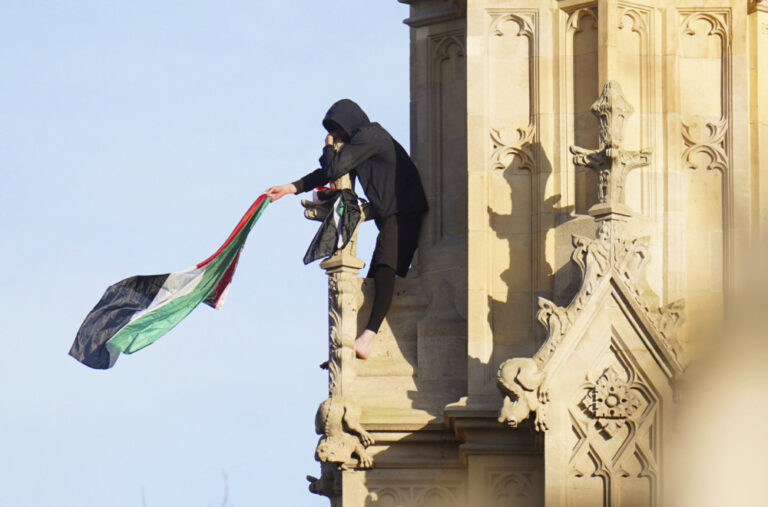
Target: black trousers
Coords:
[[395, 245]]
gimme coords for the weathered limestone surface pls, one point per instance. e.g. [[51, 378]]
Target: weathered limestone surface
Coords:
[[595, 170]]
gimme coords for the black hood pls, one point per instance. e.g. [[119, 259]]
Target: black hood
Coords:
[[347, 115]]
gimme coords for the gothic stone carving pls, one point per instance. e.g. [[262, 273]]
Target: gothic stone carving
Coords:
[[521, 382], [609, 255], [338, 421], [506, 142], [616, 427], [708, 138], [610, 161], [611, 401]]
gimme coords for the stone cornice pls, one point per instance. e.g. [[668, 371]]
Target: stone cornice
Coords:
[[428, 12]]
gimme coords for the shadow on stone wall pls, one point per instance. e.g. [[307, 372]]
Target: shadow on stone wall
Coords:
[[527, 275]]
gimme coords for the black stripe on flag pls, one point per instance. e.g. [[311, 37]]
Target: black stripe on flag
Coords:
[[115, 309]]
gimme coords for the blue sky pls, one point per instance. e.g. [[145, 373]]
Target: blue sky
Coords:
[[133, 135]]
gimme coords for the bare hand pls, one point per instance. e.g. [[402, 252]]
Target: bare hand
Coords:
[[277, 192]]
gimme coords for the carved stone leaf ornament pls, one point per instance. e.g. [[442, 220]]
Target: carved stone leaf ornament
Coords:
[[339, 287], [609, 256], [706, 138], [505, 149]]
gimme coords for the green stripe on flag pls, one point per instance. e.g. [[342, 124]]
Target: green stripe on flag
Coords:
[[150, 327]]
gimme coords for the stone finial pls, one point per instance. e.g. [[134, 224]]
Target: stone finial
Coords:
[[611, 109], [609, 160]]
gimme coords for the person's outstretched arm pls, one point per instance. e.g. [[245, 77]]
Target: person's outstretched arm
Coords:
[[280, 190], [333, 165]]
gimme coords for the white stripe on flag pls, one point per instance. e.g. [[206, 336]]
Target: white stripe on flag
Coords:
[[337, 218], [176, 285]]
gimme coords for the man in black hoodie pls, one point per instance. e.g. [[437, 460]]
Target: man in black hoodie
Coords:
[[392, 184]]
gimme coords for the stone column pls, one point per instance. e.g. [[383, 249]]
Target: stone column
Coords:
[[342, 269], [343, 440]]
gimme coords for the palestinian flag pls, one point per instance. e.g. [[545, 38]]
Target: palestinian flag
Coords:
[[338, 227], [135, 312]]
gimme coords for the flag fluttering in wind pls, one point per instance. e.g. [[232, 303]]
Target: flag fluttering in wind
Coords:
[[135, 312]]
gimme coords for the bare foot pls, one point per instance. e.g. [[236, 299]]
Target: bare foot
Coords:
[[364, 344]]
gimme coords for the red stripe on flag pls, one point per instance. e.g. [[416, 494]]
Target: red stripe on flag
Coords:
[[240, 225], [218, 291]]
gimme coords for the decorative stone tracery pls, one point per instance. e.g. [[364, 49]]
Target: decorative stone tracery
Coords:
[[611, 402], [609, 256]]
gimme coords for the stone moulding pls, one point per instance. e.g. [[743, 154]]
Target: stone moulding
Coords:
[[707, 135], [568, 26], [506, 146], [640, 21], [441, 49], [711, 134]]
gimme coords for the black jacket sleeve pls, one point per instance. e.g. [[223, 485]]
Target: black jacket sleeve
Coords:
[[314, 179], [335, 164]]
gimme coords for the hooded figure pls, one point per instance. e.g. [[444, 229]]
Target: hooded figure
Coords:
[[389, 178], [392, 184]]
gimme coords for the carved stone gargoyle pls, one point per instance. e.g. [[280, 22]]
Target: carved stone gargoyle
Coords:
[[342, 436], [522, 384]]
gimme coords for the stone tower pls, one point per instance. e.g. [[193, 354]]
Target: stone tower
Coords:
[[593, 170]]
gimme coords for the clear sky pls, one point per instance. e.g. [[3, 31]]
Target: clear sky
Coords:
[[133, 135]]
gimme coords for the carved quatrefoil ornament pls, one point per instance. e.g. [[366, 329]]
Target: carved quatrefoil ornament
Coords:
[[611, 402]]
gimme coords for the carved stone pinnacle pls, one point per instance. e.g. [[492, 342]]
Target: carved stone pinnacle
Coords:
[[609, 161]]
